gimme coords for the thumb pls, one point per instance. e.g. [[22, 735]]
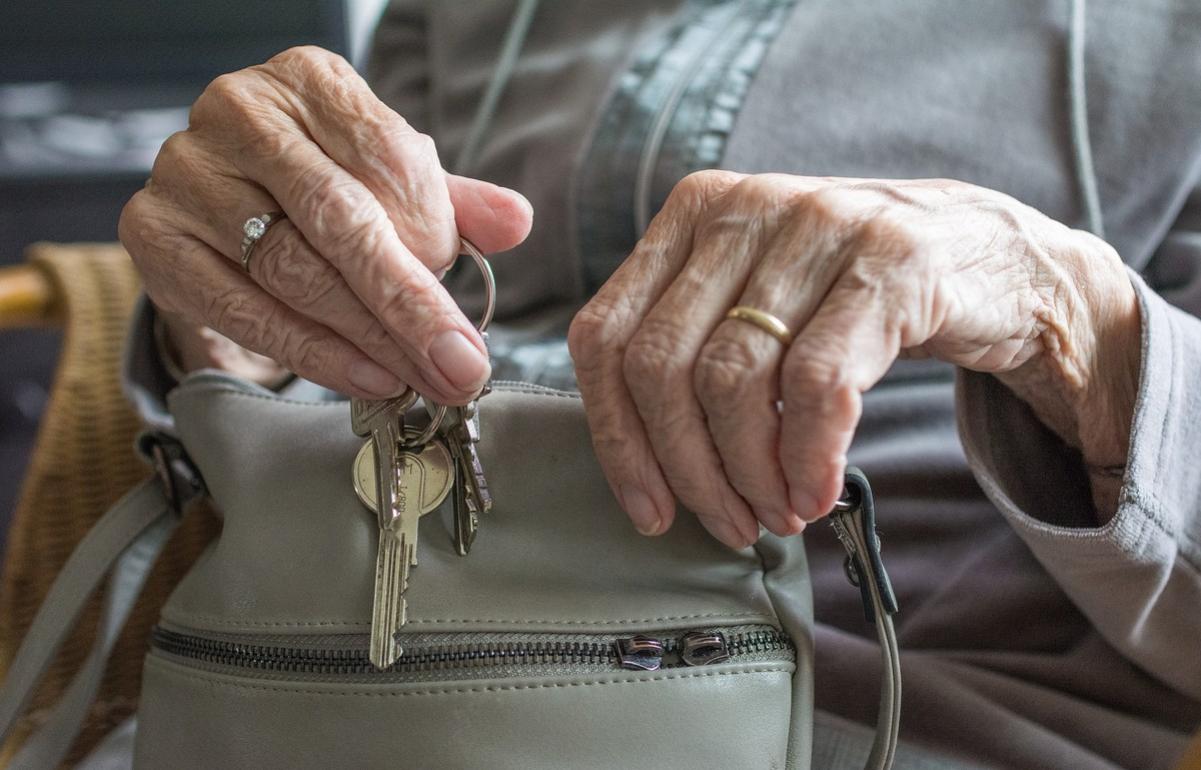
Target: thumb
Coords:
[[494, 218]]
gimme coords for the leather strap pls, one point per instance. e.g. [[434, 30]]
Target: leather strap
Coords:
[[128, 538], [854, 521], [125, 541]]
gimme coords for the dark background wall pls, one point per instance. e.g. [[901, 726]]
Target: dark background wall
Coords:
[[88, 90]]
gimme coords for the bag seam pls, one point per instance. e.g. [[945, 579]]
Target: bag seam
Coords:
[[216, 620], [198, 390]]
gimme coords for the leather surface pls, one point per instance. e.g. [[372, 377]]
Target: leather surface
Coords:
[[296, 557], [727, 717], [556, 553]]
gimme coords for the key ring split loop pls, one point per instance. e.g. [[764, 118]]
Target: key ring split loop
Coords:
[[485, 268]]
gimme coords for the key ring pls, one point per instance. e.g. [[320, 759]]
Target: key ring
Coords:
[[485, 268]]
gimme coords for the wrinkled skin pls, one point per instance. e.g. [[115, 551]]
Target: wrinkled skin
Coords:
[[683, 404], [344, 292]]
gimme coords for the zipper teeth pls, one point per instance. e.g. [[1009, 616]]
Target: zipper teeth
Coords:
[[463, 655]]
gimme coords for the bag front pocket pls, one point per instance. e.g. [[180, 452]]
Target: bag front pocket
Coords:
[[681, 698]]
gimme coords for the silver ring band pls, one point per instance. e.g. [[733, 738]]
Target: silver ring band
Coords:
[[253, 230]]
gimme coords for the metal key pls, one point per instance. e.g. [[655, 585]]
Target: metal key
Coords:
[[384, 422], [471, 487], [401, 482], [477, 484], [410, 476], [423, 478]]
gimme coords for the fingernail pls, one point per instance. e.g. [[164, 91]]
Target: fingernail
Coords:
[[459, 361], [641, 510], [529, 207], [374, 379]]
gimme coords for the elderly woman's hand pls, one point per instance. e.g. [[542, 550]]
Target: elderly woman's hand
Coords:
[[344, 291], [744, 430]]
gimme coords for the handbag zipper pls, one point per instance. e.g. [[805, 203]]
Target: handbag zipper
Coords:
[[455, 652]]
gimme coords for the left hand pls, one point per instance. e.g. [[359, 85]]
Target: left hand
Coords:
[[685, 403]]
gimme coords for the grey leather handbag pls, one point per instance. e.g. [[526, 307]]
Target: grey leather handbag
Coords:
[[565, 640]]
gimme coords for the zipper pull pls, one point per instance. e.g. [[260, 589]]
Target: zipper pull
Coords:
[[642, 653], [703, 648]]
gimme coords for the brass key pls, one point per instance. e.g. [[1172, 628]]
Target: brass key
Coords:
[[402, 476], [399, 484]]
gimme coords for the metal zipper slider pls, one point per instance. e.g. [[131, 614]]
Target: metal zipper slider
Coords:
[[643, 653], [703, 648]]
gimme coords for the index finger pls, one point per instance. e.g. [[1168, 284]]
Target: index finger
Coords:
[[598, 339], [349, 227]]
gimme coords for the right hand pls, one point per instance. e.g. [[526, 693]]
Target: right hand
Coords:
[[344, 292]]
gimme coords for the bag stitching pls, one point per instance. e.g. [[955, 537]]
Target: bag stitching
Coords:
[[213, 682], [215, 620], [198, 390]]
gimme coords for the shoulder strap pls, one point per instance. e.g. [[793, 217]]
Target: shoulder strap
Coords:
[[127, 540], [854, 521]]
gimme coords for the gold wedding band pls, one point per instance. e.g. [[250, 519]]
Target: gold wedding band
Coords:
[[765, 321]]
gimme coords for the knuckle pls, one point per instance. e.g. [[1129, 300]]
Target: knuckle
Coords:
[[724, 371], [612, 446], [306, 58], [170, 153], [424, 213], [304, 355], [131, 225], [148, 231], [407, 303], [587, 337], [814, 377], [293, 273], [180, 164], [225, 92], [356, 239], [262, 138], [652, 361], [756, 188], [825, 208], [409, 144], [313, 70], [890, 237], [340, 211], [708, 181], [598, 333], [236, 105], [228, 312]]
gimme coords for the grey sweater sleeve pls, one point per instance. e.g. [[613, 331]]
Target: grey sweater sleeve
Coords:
[[1137, 578]]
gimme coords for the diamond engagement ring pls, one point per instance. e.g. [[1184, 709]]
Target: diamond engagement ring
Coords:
[[254, 229]]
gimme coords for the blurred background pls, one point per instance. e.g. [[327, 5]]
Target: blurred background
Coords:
[[88, 92]]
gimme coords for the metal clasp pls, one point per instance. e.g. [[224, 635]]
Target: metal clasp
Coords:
[[180, 480]]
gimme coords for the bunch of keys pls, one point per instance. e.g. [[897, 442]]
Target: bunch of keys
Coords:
[[404, 472]]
